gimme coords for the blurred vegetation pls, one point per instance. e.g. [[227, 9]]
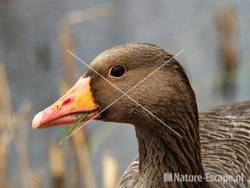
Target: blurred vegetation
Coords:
[[71, 166]]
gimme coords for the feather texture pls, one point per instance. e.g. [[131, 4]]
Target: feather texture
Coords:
[[225, 146]]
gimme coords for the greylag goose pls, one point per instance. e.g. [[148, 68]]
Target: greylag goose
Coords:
[[174, 140]]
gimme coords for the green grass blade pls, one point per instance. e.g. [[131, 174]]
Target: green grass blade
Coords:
[[71, 128]]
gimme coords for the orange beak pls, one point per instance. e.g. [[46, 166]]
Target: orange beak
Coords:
[[69, 107]]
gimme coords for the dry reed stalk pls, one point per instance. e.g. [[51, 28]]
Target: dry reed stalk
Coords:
[[65, 38], [79, 143], [9, 130], [81, 151], [30, 177], [5, 100], [110, 171], [80, 16], [4, 156], [226, 22], [56, 164], [79, 140], [68, 79], [69, 75], [5, 123], [83, 158]]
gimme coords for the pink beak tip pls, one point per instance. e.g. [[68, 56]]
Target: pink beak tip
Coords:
[[36, 122]]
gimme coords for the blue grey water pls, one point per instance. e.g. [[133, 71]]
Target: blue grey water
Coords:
[[28, 27]]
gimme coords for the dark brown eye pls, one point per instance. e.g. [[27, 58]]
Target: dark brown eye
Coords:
[[117, 71]]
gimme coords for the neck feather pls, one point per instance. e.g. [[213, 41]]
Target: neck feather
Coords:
[[161, 150]]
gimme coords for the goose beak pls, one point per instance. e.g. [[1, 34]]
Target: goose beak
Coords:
[[66, 110]]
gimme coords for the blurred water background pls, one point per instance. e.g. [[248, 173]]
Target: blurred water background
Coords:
[[30, 51]]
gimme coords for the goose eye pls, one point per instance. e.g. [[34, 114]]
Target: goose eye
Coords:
[[117, 71]]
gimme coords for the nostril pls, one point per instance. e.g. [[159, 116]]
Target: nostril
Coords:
[[67, 101]]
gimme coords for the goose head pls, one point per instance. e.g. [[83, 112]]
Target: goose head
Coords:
[[136, 83]]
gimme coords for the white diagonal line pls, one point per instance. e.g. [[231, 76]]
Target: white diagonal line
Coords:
[[125, 93]]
